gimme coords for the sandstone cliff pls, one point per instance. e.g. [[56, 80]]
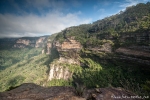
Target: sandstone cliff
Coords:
[[30, 42], [138, 54], [68, 53]]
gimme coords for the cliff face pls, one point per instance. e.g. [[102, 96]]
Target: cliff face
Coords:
[[40, 42], [106, 47], [58, 71], [30, 42], [69, 50], [138, 54], [68, 44], [48, 48], [136, 37], [68, 53]]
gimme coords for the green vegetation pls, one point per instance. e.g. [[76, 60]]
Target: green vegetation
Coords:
[[128, 27], [12, 56], [99, 72], [22, 66], [101, 69], [52, 37], [79, 32], [97, 68], [79, 89]]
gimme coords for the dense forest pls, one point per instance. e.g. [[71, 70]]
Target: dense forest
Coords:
[[133, 21], [19, 66]]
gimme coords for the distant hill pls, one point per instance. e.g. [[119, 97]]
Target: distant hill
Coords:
[[23, 42]]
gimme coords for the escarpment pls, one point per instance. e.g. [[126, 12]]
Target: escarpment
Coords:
[[68, 52], [37, 42]]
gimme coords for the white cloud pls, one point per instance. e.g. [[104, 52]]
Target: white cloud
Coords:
[[34, 25], [129, 3]]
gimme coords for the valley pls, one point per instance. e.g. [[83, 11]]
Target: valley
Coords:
[[112, 54]]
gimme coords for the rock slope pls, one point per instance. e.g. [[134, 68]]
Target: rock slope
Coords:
[[30, 91]]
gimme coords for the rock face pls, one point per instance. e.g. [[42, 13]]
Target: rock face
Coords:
[[106, 47], [137, 37], [67, 55], [128, 51], [49, 46], [40, 42], [110, 94], [59, 72], [139, 54], [29, 91], [30, 42], [58, 69], [68, 44]]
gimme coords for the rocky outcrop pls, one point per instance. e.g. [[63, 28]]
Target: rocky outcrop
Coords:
[[48, 48], [59, 72], [29, 91], [138, 54], [68, 44], [136, 37], [128, 51], [59, 69], [69, 48], [106, 47], [30, 42], [40, 42], [68, 53], [22, 43]]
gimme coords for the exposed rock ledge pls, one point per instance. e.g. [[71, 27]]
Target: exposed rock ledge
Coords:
[[58, 71], [29, 91], [68, 44], [68, 54], [135, 55], [127, 51]]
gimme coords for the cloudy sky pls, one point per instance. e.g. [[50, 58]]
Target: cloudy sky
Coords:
[[20, 18]]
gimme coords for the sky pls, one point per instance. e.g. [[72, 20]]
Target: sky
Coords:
[[19, 18]]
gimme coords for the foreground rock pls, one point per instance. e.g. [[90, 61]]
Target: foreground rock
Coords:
[[29, 91]]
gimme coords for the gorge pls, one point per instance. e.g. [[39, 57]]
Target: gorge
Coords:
[[86, 62]]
